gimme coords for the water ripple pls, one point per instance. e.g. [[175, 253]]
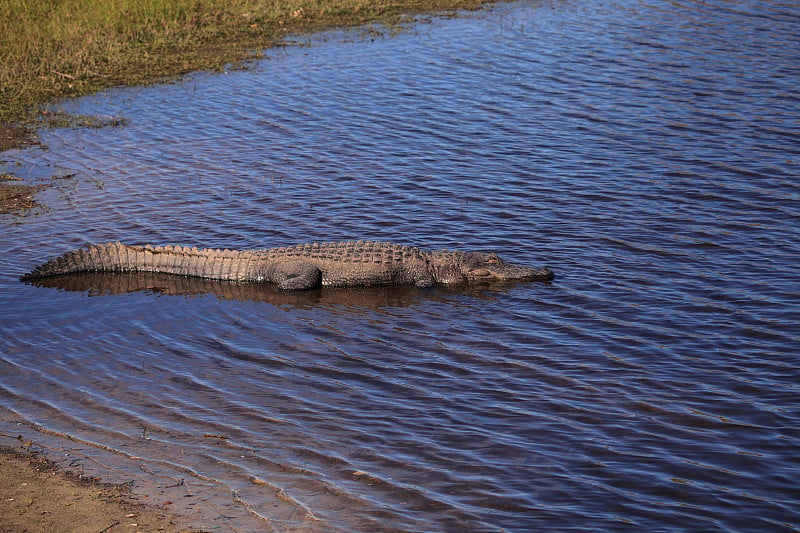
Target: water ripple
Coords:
[[645, 150]]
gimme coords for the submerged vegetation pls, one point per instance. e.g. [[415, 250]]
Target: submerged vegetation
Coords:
[[50, 50]]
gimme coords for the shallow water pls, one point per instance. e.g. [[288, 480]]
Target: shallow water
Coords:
[[646, 151]]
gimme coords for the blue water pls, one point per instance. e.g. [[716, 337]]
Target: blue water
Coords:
[[646, 151]]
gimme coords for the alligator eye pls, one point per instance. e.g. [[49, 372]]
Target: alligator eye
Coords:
[[493, 260]]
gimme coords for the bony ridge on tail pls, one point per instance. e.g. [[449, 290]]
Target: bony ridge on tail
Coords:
[[335, 264]]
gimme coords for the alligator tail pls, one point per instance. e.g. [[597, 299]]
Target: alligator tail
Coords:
[[117, 257]]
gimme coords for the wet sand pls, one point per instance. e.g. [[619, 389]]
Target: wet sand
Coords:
[[37, 497]]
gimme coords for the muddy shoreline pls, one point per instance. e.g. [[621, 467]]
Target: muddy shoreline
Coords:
[[39, 496]]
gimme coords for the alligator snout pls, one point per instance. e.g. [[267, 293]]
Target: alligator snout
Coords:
[[533, 274], [541, 274], [510, 272]]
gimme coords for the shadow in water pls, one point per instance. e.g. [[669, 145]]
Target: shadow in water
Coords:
[[111, 283]]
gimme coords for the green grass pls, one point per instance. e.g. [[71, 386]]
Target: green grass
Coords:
[[52, 49]]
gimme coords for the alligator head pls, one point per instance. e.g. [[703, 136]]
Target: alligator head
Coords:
[[479, 266]]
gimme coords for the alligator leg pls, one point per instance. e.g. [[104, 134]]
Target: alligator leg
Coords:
[[297, 276]]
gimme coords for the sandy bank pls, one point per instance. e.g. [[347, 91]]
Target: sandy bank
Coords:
[[37, 497]]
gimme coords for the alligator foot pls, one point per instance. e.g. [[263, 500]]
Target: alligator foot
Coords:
[[297, 276]]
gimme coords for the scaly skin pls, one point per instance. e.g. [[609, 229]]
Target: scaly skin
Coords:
[[337, 264]]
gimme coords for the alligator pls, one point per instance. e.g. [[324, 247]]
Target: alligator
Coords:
[[308, 266]]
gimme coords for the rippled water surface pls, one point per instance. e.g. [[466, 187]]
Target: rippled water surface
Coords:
[[648, 152]]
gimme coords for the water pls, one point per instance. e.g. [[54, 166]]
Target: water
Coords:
[[646, 151]]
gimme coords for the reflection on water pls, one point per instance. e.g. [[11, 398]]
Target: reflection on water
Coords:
[[108, 283], [646, 151]]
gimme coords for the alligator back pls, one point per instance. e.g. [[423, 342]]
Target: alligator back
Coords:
[[352, 263]]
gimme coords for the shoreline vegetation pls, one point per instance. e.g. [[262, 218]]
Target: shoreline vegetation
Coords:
[[52, 50]]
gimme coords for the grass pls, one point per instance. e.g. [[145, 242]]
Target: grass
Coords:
[[54, 49]]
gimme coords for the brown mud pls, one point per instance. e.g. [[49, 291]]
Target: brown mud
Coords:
[[16, 196], [36, 496]]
